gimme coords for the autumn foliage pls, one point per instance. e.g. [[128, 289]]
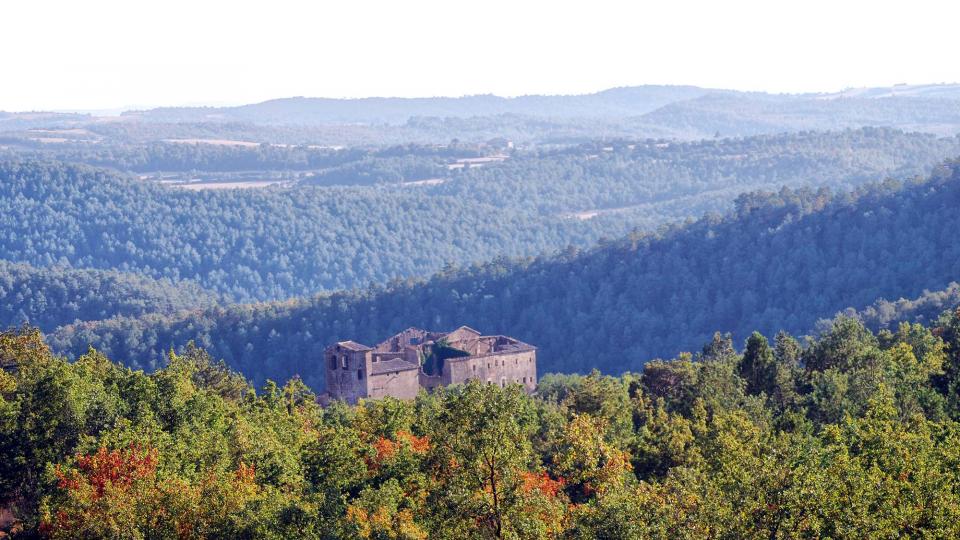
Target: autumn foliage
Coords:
[[853, 434]]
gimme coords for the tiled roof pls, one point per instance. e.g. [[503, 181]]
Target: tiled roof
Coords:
[[464, 327], [353, 346], [389, 366]]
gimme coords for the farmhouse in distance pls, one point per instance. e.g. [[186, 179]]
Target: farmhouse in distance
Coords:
[[418, 359]]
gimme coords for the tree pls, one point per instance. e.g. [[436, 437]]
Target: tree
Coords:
[[758, 366]]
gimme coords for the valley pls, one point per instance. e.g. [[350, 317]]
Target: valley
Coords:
[[505, 271]]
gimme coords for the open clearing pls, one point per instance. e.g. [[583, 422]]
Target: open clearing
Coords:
[[253, 184], [215, 142]]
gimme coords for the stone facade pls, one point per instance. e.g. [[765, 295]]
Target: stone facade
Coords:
[[416, 359]]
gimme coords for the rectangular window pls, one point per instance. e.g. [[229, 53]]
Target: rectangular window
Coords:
[[343, 362], [359, 374]]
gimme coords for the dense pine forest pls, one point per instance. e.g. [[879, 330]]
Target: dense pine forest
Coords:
[[780, 260], [50, 297], [851, 434], [284, 242]]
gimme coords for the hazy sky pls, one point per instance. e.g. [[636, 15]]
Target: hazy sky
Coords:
[[99, 54]]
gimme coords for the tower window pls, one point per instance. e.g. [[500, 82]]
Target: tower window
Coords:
[[333, 362], [359, 374], [343, 362]]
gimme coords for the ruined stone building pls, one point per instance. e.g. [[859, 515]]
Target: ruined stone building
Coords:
[[414, 359]]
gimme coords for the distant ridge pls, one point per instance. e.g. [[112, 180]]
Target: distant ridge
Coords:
[[685, 112], [615, 102]]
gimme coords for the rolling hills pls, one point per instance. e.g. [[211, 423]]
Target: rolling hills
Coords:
[[779, 261], [280, 243]]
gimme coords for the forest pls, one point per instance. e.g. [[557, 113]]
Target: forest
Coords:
[[780, 260], [277, 243], [51, 297], [849, 434]]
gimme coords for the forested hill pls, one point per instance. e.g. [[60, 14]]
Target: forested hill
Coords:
[[887, 314], [278, 243], [50, 297], [780, 261]]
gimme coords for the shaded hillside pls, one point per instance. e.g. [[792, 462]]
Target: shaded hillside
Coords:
[[50, 297], [780, 261], [924, 309], [278, 243]]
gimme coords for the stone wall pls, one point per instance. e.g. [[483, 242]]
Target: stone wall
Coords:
[[348, 383], [496, 368], [399, 384]]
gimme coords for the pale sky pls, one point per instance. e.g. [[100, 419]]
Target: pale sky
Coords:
[[103, 54]]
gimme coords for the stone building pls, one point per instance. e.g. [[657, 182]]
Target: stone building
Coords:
[[416, 359]]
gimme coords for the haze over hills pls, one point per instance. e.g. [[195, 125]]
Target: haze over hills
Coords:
[[615, 102], [685, 112], [612, 103]]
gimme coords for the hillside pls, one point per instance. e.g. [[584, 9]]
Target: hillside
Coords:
[[780, 261], [279, 243], [50, 297], [924, 309]]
